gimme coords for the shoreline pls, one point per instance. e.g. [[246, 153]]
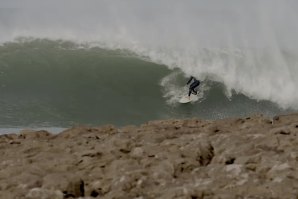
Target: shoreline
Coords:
[[252, 157], [18, 130]]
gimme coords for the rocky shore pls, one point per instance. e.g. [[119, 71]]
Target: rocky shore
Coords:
[[253, 157]]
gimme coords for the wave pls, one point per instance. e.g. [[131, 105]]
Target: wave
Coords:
[[258, 76], [244, 52], [250, 47], [60, 83]]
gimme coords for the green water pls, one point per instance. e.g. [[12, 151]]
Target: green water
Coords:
[[46, 83]]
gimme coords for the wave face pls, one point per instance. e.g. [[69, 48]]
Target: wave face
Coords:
[[242, 49], [58, 84]]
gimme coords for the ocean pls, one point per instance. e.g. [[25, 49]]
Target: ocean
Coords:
[[125, 63]]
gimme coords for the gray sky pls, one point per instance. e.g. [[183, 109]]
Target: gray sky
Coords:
[[206, 22]]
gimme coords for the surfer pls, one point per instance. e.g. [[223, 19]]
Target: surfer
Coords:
[[195, 83]]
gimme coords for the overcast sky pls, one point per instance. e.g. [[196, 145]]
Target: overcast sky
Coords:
[[212, 22]]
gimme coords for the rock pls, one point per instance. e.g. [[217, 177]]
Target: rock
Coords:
[[124, 145], [281, 130], [14, 142], [68, 184], [31, 134], [137, 152], [232, 158], [39, 193]]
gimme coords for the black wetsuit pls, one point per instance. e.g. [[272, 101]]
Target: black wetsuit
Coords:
[[193, 85]]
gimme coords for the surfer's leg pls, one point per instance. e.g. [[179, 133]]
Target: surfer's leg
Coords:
[[193, 86], [189, 92]]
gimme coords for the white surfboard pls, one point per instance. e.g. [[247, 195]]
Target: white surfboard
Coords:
[[185, 99]]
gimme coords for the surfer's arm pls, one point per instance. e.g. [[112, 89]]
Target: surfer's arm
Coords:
[[191, 77]]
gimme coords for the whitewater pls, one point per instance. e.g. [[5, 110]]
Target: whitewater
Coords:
[[99, 62]]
